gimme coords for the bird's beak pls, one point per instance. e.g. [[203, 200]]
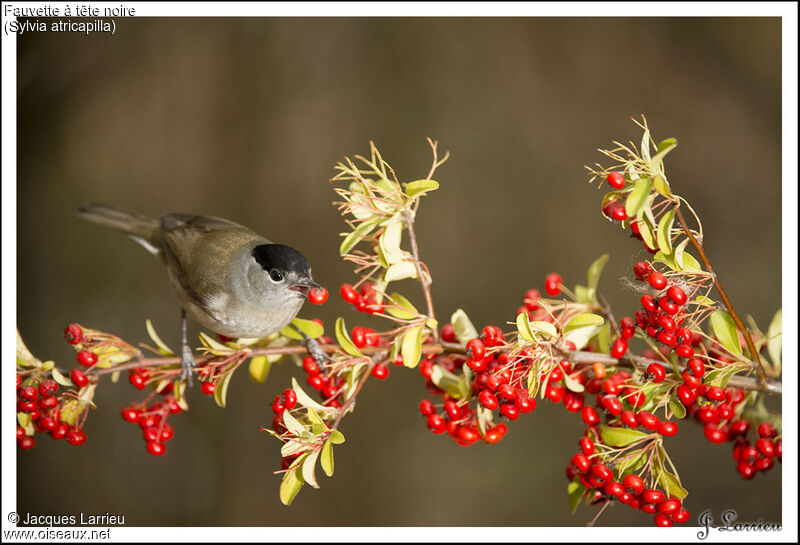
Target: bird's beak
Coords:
[[304, 287]]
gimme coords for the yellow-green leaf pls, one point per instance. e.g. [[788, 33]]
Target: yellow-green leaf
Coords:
[[389, 241], [595, 270], [356, 235], [308, 469], [725, 331], [61, 379], [669, 482], [620, 437], [420, 187], [546, 328], [221, 393], [446, 381], [402, 308], [572, 384], [344, 339], [664, 229], [774, 338], [215, 347], [400, 271], [336, 437], [638, 197], [259, 368], [318, 426], [463, 327], [306, 401], [292, 424], [524, 327], [326, 458], [587, 319], [411, 349], [575, 491], [309, 327], [160, 344], [290, 486]]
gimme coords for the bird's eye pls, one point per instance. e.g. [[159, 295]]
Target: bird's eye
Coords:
[[276, 275]]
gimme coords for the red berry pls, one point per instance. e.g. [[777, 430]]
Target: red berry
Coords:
[[666, 322], [652, 495], [289, 398], [715, 393], [714, 434], [587, 446], [582, 462], [436, 423], [765, 429], [641, 269], [358, 336], [668, 306], [29, 392], [87, 358], [647, 420], [656, 372], [426, 407], [130, 415], [681, 516], [26, 442], [668, 429], [47, 387], [360, 304], [310, 365], [616, 180], [449, 333], [618, 213], [763, 464], [155, 448], [746, 470], [509, 410], [648, 303], [766, 447], [619, 348], [677, 295], [488, 400], [633, 484], [602, 472], [349, 294], [590, 416], [525, 404], [531, 299], [60, 431], [667, 339], [207, 388], [380, 372], [663, 520], [612, 404], [137, 381], [552, 283], [476, 349], [657, 280], [76, 437], [317, 296], [73, 334], [629, 419], [507, 391], [496, 433]]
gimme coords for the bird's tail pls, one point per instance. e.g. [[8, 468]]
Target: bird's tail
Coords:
[[143, 229]]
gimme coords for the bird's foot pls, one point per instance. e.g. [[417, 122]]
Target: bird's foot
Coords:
[[187, 364], [316, 351]]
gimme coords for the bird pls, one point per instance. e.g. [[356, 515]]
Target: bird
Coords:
[[226, 277]]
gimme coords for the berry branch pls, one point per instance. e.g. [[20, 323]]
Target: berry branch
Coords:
[[762, 377], [566, 348]]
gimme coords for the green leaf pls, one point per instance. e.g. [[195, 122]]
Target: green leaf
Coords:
[[464, 329], [344, 339], [61, 379], [221, 393], [587, 319], [666, 259], [524, 327], [309, 327], [355, 236], [573, 385], [318, 426], [292, 424], [645, 146], [453, 385], [400, 271], [308, 468], [661, 185], [631, 462], [406, 310], [663, 148], [620, 437], [215, 347], [669, 482], [725, 331], [420, 187], [389, 241], [595, 270], [546, 328], [161, 345], [664, 229], [604, 339], [290, 486], [306, 401], [336, 437], [583, 295], [326, 458], [575, 492], [411, 349], [638, 197], [677, 408], [774, 338], [259, 368]]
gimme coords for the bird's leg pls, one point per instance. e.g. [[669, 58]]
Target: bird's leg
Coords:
[[313, 348], [187, 358]]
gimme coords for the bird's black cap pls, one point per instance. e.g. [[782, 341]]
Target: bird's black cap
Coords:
[[283, 258]]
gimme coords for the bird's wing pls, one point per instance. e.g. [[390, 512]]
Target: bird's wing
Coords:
[[197, 250]]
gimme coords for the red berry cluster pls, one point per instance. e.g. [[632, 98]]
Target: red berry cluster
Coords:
[[40, 400], [604, 484], [364, 300], [152, 419], [614, 209], [329, 386]]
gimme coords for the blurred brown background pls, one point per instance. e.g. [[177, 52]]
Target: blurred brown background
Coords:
[[245, 118]]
